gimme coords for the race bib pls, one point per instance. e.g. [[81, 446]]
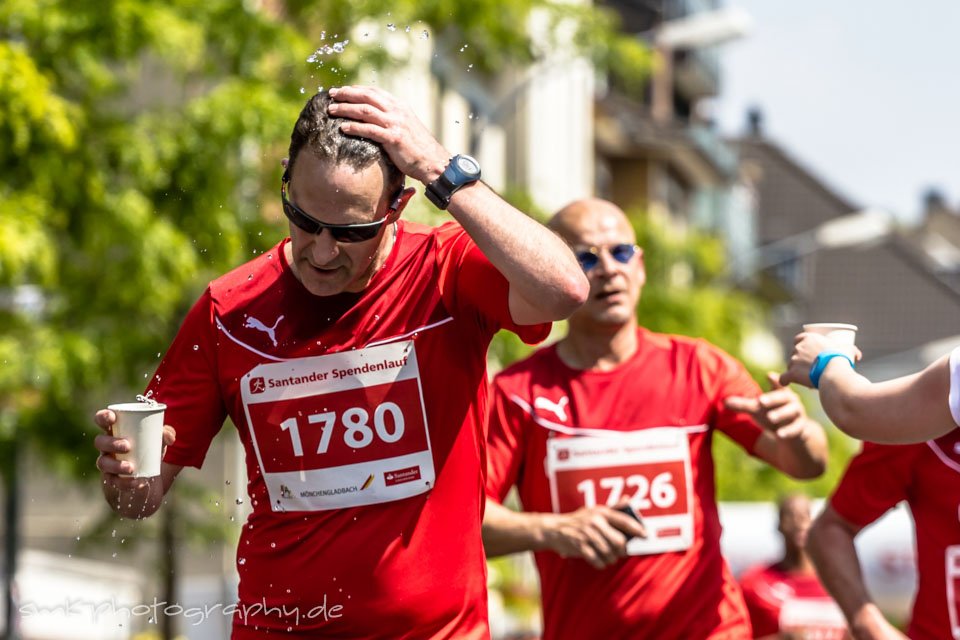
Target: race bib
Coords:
[[651, 467], [340, 430], [813, 619]]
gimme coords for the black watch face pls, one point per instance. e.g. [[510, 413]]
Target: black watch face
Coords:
[[467, 165]]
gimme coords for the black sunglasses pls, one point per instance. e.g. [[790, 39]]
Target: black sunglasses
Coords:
[[340, 232], [590, 257]]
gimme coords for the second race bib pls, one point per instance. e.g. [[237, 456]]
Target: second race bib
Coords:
[[650, 467]]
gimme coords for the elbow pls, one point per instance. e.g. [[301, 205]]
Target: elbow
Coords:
[[573, 292]]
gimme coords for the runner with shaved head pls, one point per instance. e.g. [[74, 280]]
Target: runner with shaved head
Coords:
[[607, 436]]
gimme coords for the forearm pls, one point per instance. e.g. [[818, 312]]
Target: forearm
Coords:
[[506, 531], [805, 456], [539, 266], [831, 547], [912, 408]]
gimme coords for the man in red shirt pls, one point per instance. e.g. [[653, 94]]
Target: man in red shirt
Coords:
[[351, 359], [927, 476], [615, 415], [785, 599]]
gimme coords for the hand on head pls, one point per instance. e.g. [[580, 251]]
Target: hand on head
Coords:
[[381, 117]]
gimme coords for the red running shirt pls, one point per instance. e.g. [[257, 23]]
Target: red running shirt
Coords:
[[927, 476], [781, 601], [570, 438], [362, 417]]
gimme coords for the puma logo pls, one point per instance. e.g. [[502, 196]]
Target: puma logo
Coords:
[[558, 408], [253, 323]]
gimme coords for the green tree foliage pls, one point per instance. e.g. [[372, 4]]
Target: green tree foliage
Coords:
[[140, 144]]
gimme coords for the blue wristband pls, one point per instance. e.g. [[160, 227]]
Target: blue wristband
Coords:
[[820, 363]]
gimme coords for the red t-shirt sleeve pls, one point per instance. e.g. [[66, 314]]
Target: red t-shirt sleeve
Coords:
[[727, 377], [471, 284], [876, 480], [186, 381], [506, 443]]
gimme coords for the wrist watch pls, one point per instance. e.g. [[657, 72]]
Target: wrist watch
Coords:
[[461, 171]]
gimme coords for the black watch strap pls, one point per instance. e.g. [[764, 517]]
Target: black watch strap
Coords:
[[460, 171]]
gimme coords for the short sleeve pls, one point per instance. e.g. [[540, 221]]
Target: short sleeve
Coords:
[[728, 377], [954, 397], [506, 443], [471, 284], [876, 480], [187, 382]]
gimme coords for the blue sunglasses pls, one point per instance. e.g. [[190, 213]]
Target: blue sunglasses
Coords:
[[589, 257]]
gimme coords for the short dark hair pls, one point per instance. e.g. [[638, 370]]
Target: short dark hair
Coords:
[[320, 133]]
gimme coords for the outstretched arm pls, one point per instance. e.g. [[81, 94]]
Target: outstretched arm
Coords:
[[546, 283], [909, 409], [791, 441]]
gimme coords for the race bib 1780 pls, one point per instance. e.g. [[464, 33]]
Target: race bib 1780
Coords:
[[340, 430]]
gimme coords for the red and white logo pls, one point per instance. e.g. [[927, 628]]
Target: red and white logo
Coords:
[[400, 476], [257, 385]]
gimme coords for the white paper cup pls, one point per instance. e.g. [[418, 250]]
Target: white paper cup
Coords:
[[141, 423], [838, 332]]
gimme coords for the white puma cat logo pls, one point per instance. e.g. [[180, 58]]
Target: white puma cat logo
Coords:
[[558, 408], [253, 323]]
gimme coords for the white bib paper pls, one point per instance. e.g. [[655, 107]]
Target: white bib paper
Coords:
[[340, 430]]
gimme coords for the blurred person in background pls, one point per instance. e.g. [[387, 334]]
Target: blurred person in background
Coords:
[[351, 358], [786, 599], [927, 477], [909, 409], [617, 420]]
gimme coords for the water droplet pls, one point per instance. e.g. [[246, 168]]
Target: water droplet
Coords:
[[302, 90], [196, 347], [323, 35], [239, 501], [241, 561], [113, 534], [78, 537], [114, 554], [150, 621], [407, 29], [273, 545], [463, 48], [250, 277], [469, 68], [228, 482], [424, 35], [391, 27]]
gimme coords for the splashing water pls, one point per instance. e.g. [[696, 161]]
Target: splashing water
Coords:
[[147, 399], [328, 49]]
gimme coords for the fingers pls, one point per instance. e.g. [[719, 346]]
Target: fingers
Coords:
[[774, 380], [742, 404], [105, 419], [169, 435], [629, 525], [356, 94]]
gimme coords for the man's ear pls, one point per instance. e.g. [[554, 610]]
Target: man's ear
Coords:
[[399, 202]]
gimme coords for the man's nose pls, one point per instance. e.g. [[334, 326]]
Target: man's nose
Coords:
[[325, 247]]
